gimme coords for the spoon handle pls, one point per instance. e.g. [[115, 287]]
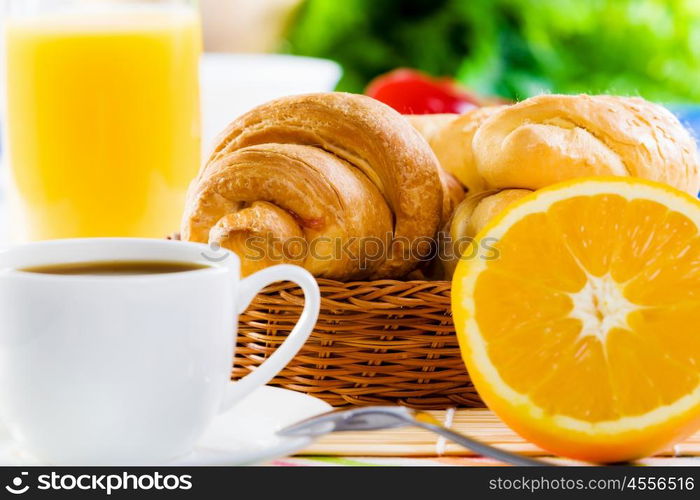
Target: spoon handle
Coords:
[[388, 417], [481, 448]]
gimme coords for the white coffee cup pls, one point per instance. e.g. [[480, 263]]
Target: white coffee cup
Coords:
[[127, 369]]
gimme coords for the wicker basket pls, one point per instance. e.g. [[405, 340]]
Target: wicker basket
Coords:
[[376, 342]]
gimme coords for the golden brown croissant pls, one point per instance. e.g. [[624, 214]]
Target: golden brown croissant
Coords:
[[551, 138], [453, 193], [323, 171]]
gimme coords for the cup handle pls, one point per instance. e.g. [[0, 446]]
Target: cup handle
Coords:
[[247, 290]]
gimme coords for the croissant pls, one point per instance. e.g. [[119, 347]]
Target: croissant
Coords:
[[302, 177], [453, 194]]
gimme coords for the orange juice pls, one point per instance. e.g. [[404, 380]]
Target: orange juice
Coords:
[[102, 121]]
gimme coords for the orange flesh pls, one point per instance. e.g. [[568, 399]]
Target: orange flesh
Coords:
[[648, 254]]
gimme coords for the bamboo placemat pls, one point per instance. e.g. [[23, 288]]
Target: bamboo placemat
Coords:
[[477, 423]]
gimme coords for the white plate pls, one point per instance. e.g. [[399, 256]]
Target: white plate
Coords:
[[243, 435]]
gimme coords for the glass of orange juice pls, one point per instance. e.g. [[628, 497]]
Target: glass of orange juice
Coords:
[[101, 120]]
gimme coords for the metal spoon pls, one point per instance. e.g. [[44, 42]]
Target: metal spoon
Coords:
[[390, 417]]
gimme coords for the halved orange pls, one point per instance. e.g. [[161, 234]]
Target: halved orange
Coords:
[[579, 317]]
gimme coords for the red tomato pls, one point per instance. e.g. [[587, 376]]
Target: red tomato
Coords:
[[412, 92]]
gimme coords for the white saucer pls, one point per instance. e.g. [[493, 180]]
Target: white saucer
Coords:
[[244, 435]]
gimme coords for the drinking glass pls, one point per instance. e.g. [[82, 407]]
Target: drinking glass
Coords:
[[101, 115]]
